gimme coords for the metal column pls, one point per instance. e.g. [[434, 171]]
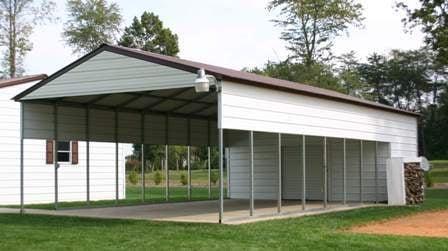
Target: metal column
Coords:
[[361, 167], [143, 155], [279, 195], [88, 156], [344, 172], [208, 161], [209, 174], [228, 171], [325, 178], [303, 172], [376, 172], [167, 175], [189, 172], [167, 171], [221, 152], [22, 201], [251, 173], [189, 160], [116, 159], [55, 156], [221, 175]]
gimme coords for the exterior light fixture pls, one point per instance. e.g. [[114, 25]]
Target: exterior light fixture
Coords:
[[203, 82]]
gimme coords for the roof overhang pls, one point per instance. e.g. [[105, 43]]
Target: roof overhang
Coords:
[[21, 80]]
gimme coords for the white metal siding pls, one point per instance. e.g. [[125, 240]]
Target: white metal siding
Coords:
[[293, 168], [335, 170], [265, 165], [247, 107], [109, 72], [39, 177]]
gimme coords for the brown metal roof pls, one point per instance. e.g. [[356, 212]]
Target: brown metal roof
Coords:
[[223, 74], [252, 79], [21, 80]]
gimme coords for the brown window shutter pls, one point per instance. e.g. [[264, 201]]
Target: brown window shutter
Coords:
[[75, 152], [49, 152]]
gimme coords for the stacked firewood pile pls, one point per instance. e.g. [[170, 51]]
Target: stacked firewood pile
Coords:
[[414, 182]]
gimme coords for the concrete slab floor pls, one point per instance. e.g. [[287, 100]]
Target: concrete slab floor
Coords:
[[235, 211]]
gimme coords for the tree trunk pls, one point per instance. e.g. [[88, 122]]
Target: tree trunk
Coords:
[[12, 42]]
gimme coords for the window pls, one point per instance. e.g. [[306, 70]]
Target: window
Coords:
[[63, 151], [67, 152]]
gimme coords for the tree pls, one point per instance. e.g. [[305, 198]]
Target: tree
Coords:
[[432, 17], [349, 75], [310, 26], [409, 78], [319, 75], [373, 74], [149, 34], [17, 21], [90, 24], [436, 127]]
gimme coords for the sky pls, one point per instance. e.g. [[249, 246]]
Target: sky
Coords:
[[230, 33]]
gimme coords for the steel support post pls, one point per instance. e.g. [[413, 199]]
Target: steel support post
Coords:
[[116, 159], [376, 173], [303, 172], [142, 161], [325, 178], [251, 173], [344, 172], [55, 157], [88, 156], [279, 173], [361, 168], [221, 174], [22, 192]]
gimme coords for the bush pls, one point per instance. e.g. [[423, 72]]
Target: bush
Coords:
[[198, 164], [214, 178], [183, 179], [428, 179], [133, 177], [132, 164], [157, 178]]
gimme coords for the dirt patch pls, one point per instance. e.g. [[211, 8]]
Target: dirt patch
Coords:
[[430, 224]]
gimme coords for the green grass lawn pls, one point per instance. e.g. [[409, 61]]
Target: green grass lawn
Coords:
[[153, 193], [439, 171], [133, 197], [324, 232]]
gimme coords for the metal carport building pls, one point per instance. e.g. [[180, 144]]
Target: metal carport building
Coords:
[[286, 141]]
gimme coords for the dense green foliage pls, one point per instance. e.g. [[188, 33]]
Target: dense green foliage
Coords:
[[432, 17], [177, 157], [436, 128], [319, 75], [322, 232], [90, 24], [149, 34], [157, 178]]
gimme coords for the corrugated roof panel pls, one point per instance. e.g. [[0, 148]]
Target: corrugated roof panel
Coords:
[[109, 72]]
